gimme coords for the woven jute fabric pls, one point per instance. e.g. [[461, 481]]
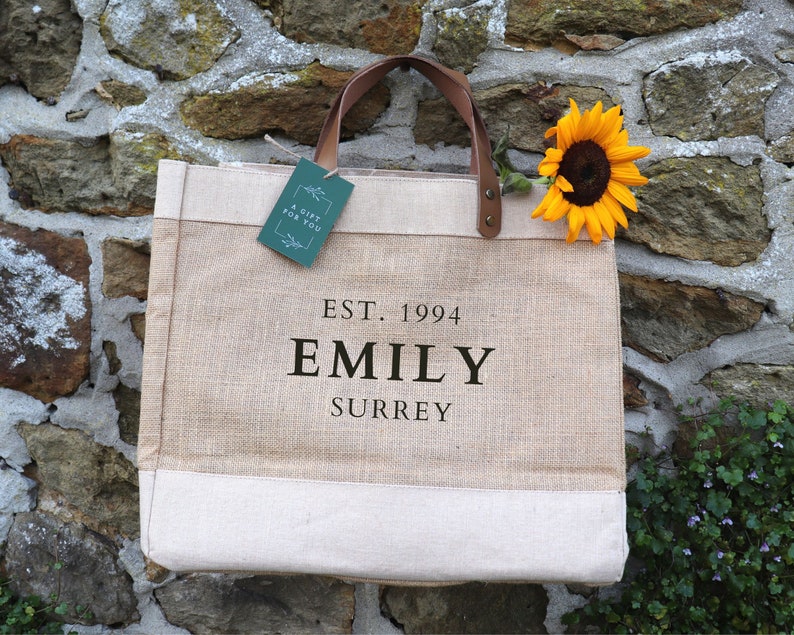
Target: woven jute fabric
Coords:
[[414, 352]]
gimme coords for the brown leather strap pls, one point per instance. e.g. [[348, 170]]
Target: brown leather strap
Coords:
[[455, 87]]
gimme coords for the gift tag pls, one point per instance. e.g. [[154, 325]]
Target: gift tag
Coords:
[[305, 213]]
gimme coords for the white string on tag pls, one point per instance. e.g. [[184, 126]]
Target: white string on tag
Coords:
[[272, 141]]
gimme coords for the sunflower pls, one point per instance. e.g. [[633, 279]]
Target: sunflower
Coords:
[[590, 167]]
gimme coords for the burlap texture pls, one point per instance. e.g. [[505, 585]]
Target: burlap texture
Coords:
[[235, 333]]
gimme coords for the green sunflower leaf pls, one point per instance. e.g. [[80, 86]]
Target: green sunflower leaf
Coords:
[[516, 182], [499, 155]]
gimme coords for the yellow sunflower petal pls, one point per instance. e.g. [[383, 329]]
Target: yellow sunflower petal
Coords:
[[566, 127], [620, 154], [592, 223], [544, 204], [627, 173], [611, 123], [548, 168], [564, 133], [622, 194], [575, 116], [615, 209], [613, 119], [556, 155], [621, 138], [550, 132], [575, 223], [564, 184], [558, 207], [550, 204], [590, 123], [605, 218], [612, 113]]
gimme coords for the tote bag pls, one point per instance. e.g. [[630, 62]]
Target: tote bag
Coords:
[[437, 399]]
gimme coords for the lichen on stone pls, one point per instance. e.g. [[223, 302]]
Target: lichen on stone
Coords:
[[390, 27], [39, 48], [45, 312], [538, 23], [174, 38], [120, 94], [704, 208], [396, 33], [294, 104], [38, 303], [462, 36], [708, 96], [109, 175]]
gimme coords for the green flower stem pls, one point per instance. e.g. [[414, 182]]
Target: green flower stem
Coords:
[[517, 182]]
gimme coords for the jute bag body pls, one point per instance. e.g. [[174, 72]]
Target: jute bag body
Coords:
[[424, 404]]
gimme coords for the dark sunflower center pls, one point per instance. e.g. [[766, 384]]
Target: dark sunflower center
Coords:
[[586, 167]]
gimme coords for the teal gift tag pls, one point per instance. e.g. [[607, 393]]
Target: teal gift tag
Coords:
[[305, 213]]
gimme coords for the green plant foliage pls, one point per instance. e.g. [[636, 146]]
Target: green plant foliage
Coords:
[[25, 615], [712, 526], [511, 179]]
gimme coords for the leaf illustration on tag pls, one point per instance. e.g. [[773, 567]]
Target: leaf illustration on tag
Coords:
[[291, 242], [315, 192]]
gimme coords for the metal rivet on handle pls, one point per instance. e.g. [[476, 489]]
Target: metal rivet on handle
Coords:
[[490, 220], [489, 194]]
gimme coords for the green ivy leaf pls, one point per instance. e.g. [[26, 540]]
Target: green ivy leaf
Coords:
[[657, 610], [658, 546], [757, 420], [644, 484], [731, 477], [685, 588], [718, 503], [570, 618]]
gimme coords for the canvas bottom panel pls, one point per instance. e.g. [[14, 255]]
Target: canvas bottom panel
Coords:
[[210, 522]]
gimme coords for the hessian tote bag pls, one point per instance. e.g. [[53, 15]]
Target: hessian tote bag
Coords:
[[437, 399]]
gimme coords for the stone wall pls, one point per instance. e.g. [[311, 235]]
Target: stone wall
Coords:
[[94, 92]]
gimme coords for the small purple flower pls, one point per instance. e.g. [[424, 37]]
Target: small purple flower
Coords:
[[764, 547], [720, 554], [686, 551], [777, 558], [777, 444], [693, 520], [774, 509], [708, 484], [717, 577], [727, 521], [752, 475]]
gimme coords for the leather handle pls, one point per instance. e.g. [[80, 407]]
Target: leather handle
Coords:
[[455, 87]]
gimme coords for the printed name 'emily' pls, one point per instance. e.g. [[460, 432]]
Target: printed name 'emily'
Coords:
[[306, 361]]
